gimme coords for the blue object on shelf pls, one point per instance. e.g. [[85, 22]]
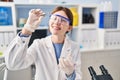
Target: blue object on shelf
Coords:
[[108, 19], [81, 46], [101, 25], [5, 16]]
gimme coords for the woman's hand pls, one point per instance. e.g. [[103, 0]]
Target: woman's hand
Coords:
[[67, 65], [34, 19]]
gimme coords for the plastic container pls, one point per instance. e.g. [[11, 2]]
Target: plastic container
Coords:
[[22, 22]]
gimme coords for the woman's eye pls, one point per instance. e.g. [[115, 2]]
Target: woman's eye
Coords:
[[55, 18], [63, 20]]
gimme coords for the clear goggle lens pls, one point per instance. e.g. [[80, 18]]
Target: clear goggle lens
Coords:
[[60, 19]]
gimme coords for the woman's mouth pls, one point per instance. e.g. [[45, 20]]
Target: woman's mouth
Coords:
[[56, 28]]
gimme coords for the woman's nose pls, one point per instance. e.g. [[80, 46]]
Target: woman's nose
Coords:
[[57, 21]]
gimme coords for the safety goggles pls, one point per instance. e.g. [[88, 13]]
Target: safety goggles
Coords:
[[61, 19]]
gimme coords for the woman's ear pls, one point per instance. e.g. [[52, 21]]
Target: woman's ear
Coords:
[[70, 28]]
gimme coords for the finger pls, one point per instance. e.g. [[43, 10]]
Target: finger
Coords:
[[69, 57], [32, 10], [69, 54], [70, 60], [71, 63], [68, 63], [40, 18], [36, 10], [62, 63], [41, 13]]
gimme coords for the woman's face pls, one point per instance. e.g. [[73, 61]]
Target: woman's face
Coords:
[[59, 23]]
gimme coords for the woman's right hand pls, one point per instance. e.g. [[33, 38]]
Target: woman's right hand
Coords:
[[34, 19]]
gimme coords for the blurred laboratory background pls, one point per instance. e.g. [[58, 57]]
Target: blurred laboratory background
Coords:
[[96, 28]]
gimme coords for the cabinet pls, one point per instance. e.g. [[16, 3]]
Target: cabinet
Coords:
[[89, 15], [7, 24], [87, 34], [85, 24], [109, 38]]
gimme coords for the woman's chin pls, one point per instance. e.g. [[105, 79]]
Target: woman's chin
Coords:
[[55, 33]]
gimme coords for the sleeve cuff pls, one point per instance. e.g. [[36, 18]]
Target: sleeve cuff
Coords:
[[22, 35], [22, 39], [72, 76]]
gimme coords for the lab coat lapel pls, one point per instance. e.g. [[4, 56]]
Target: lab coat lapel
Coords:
[[52, 54], [66, 47], [51, 48]]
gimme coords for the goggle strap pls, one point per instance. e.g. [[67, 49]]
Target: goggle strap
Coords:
[[63, 17]]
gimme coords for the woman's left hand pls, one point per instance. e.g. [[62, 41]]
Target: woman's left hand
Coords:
[[67, 65]]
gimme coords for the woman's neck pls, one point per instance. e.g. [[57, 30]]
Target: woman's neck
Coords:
[[57, 39]]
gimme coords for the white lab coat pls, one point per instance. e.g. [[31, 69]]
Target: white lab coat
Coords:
[[42, 54]]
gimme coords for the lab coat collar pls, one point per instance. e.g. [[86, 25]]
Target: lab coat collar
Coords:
[[66, 47], [67, 43]]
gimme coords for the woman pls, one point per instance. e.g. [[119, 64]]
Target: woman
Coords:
[[56, 57]]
